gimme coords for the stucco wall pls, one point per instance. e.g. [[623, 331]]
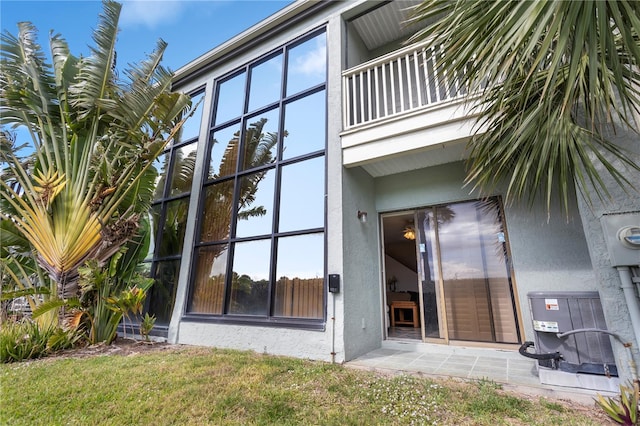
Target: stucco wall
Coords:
[[272, 340], [362, 285], [608, 280]]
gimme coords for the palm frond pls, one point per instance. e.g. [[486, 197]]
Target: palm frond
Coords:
[[95, 139], [96, 77], [550, 80]]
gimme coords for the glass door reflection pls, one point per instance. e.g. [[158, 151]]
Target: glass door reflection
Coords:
[[461, 271]]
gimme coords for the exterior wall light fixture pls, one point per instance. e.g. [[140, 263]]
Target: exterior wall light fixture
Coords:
[[362, 216]]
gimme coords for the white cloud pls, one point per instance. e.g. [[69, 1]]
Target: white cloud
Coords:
[[314, 61], [150, 13], [457, 270]]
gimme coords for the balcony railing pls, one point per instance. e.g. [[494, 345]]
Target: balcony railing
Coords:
[[398, 83]]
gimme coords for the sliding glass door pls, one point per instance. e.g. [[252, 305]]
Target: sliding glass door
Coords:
[[463, 273]]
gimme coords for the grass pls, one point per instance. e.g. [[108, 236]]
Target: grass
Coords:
[[203, 386]]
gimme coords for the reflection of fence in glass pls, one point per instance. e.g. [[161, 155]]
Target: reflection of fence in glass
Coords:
[[208, 295], [299, 298], [295, 297], [480, 309]]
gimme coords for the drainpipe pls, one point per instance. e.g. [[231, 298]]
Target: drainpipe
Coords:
[[632, 300], [333, 329], [634, 312]]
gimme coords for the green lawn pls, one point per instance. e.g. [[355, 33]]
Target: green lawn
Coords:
[[203, 386]]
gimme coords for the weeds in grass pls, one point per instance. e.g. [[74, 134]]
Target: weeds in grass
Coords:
[[484, 401], [554, 406], [485, 383], [419, 407]]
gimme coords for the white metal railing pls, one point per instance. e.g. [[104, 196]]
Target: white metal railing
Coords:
[[395, 84]]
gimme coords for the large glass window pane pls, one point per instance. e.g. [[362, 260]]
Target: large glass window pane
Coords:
[[208, 286], [230, 99], [429, 272], [307, 64], [302, 196], [255, 204], [247, 178], [191, 127], [260, 140], [175, 223], [216, 212], [162, 293], [224, 152], [305, 125], [250, 280], [266, 83], [300, 271], [184, 162], [161, 166], [477, 290]]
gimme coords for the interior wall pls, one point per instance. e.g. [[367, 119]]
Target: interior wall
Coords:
[[407, 280]]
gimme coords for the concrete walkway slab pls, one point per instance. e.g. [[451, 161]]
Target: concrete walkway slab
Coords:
[[505, 367]]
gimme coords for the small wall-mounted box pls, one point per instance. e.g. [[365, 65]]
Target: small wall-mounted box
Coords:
[[334, 283]]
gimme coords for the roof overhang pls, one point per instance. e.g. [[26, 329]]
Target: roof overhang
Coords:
[[289, 15]]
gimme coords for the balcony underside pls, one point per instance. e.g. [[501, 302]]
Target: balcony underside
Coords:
[[418, 139]]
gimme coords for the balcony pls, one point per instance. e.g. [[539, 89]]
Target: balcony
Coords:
[[398, 104]]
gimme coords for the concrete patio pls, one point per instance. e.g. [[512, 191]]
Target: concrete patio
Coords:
[[506, 367]]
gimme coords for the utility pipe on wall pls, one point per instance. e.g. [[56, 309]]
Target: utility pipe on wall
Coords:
[[632, 300]]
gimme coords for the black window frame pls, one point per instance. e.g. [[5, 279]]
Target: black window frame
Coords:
[[242, 122], [155, 259]]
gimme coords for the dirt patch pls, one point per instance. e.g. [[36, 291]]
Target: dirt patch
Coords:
[[120, 346]]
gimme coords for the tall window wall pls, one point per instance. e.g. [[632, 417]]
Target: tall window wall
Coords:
[[169, 215], [260, 247]]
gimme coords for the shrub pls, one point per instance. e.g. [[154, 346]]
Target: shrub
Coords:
[[624, 409], [26, 340]]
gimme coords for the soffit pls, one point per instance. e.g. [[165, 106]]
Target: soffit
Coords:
[[442, 154], [385, 23]]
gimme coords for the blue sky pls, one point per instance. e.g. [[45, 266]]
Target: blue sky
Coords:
[[191, 28]]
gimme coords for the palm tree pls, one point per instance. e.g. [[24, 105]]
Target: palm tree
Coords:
[[549, 79], [94, 138]]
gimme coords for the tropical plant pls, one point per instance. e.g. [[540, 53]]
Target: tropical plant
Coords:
[[107, 299], [20, 275], [94, 137], [548, 79], [146, 325], [26, 340], [624, 409]]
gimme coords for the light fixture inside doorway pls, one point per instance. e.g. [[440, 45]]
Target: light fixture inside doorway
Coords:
[[409, 233]]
